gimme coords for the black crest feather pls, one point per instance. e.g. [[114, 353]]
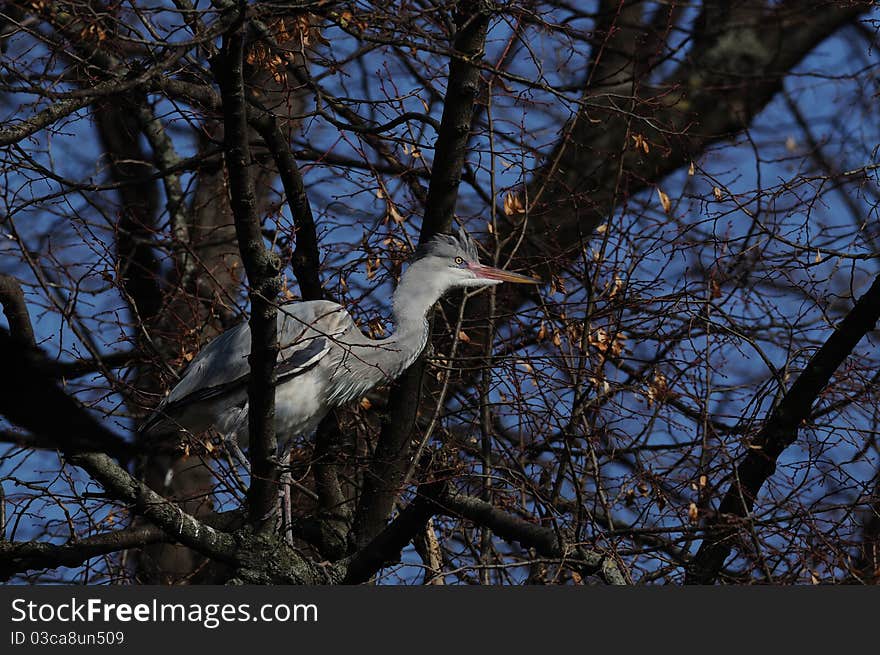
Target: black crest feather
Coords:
[[449, 246]]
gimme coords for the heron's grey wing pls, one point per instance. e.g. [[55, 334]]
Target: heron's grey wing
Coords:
[[301, 358], [221, 361], [224, 360], [302, 327], [219, 364], [306, 332]]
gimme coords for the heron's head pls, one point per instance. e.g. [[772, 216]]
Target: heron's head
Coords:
[[452, 261]]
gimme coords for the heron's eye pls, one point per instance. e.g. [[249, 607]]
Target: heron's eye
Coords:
[[459, 261]]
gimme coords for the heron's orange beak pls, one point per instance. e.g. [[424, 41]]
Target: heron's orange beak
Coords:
[[489, 273]]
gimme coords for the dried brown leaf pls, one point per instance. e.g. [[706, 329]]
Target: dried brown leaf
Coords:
[[664, 201], [658, 389], [641, 143], [513, 204]]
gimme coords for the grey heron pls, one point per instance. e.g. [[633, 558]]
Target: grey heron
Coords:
[[324, 360]]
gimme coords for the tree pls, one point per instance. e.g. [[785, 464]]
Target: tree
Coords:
[[691, 395]]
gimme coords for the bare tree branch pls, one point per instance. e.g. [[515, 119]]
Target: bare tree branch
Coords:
[[37, 404], [725, 81], [382, 482], [18, 557], [15, 309], [262, 268], [385, 548], [780, 430], [545, 540], [306, 259]]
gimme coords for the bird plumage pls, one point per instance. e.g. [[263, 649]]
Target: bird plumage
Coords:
[[324, 361]]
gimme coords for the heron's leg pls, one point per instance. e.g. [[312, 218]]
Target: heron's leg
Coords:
[[231, 439], [284, 496], [238, 457], [232, 462], [238, 454]]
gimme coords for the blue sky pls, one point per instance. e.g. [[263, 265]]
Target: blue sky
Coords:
[[352, 208]]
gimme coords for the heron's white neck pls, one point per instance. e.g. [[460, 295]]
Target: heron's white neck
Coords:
[[412, 300], [415, 295]]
